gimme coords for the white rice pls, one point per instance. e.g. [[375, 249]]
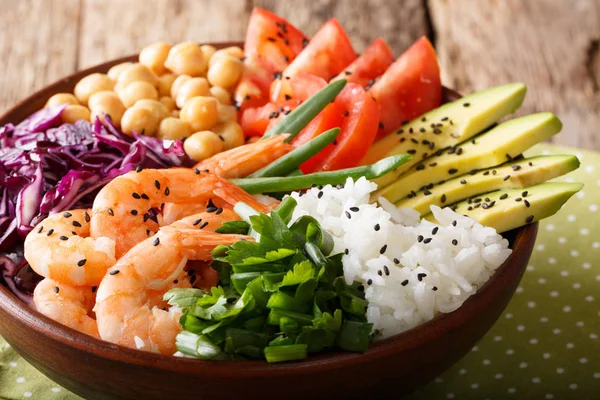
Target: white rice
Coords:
[[423, 277]]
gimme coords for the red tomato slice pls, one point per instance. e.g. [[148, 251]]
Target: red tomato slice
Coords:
[[255, 121], [327, 119], [271, 44], [410, 87], [359, 119], [299, 87], [371, 64], [326, 55]]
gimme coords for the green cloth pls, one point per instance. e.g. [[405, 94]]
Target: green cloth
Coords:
[[545, 346]]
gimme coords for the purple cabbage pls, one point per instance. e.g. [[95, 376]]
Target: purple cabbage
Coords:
[[48, 167]]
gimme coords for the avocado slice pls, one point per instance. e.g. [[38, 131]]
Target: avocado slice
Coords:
[[494, 147], [523, 173], [508, 209], [446, 126]]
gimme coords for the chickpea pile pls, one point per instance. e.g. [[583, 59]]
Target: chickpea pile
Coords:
[[173, 92]]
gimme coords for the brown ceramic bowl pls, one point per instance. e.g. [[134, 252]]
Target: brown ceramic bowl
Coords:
[[99, 370]]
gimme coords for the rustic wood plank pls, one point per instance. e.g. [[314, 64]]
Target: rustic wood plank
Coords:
[[113, 28], [37, 45], [552, 46], [399, 22]]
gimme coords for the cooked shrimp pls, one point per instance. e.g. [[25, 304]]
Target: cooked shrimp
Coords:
[[241, 161], [121, 209], [71, 306], [60, 248], [124, 309]]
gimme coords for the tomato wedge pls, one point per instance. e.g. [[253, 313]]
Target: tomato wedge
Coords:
[[327, 54], [410, 87], [371, 64], [299, 87], [255, 121], [271, 44], [359, 115], [330, 117]]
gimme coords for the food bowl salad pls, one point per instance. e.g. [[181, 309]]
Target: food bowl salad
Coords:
[[271, 202]]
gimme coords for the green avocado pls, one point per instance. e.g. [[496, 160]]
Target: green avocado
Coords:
[[523, 173], [494, 147], [508, 209], [448, 125]]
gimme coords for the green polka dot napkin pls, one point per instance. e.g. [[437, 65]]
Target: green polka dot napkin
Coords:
[[546, 345]]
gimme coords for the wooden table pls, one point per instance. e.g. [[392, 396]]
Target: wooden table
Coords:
[[551, 45]]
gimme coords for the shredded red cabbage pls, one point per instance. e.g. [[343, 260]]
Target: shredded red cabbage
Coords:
[[48, 167]]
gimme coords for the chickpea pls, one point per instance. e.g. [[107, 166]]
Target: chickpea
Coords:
[[135, 73], [225, 72], [115, 71], [91, 84], [168, 102], [200, 112], [154, 57], [158, 109], [106, 103], [61, 98], [233, 51], [187, 58], [231, 133], [192, 88], [165, 82], [226, 113], [178, 83], [140, 120], [73, 113], [173, 129], [208, 51], [221, 94], [202, 145], [137, 91]]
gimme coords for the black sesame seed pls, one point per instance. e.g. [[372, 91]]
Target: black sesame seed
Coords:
[[379, 272], [376, 227], [504, 196], [494, 172], [87, 217], [176, 281], [94, 288], [463, 181], [414, 140], [427, 240], [156, 242], [470, 208], [459, 151], [452, 171], [437, 131], [370, 282], [472, 172], [507, 177], [516, 167], [400, 131], [433, 164], [81, 263], [320, 194], [422, 130], [145, 196], [525, 193], [346, 251], [383, 249], [530, 164], [41, 229], [434, 288], [420, 238], [529, 219], [219, 211], [348, 215], [63, 237], [411, 130], [77, 224], [157, 184], [67, 214], [196, 171], [454, 222], [454, 242], [518, 199], [135, 195], [420, 167], [486, 173], [477, 201], [527, 203], [360, 288], [466, 104], [203, 225], [110, 212], [114, 272], [426, 192], [421, 276], [411, 151], [381, 126], [211, 209], [354, 209], [167, 191], [133, 212], [56, 289], [196, 222], [443, 199], [404, 282], [435, 230], [386, 270]]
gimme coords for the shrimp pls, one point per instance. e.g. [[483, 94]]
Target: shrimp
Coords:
[[124, 308], [122, 208], [60, 248], [70, 306], [241, 161]]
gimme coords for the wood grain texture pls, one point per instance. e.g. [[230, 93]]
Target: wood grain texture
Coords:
[[552, 46], [37, 45]]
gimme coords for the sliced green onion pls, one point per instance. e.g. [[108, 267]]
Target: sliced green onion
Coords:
[[291, 161], [236, 227], [295, 121], [245, 212], [285, 353], [284, 301], [286, 208], [199, 346], [354, 336], [286, 184]]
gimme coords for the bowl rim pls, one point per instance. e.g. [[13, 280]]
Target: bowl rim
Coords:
[[523, 239]]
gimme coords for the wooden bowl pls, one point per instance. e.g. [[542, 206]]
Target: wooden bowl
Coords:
[[398, 365]]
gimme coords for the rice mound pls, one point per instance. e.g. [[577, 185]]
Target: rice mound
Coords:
[[411, 269]]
